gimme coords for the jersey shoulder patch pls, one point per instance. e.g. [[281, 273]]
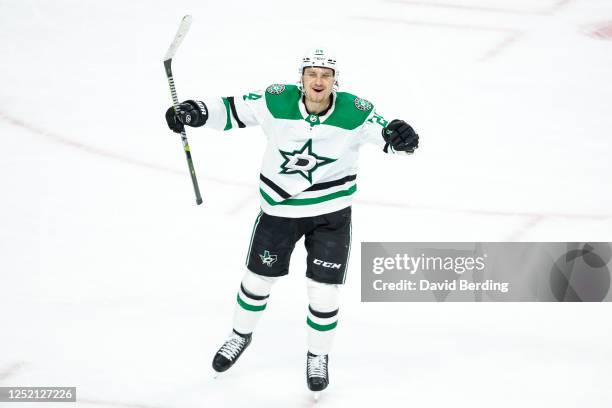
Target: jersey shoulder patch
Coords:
[[282, 101], [350, 111], [276, 89], [363, 104]]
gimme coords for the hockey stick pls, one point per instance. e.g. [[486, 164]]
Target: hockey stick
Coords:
[[178, 38]]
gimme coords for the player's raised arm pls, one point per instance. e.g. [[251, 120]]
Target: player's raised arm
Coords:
[[218, 113]]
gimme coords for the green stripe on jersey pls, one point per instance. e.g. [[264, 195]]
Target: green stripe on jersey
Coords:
[[228, 113], [321, 327], [309, 201], [251, 308]]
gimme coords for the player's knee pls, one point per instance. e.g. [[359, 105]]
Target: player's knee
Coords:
[[258, 285], [323, 297]]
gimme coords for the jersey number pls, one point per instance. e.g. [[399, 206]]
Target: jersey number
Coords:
[[378, 119], [251, 97]]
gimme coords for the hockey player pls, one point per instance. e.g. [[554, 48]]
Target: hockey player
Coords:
[[307, 182]]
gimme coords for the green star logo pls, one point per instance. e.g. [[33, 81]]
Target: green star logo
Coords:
[[303, 161], [267, 258]]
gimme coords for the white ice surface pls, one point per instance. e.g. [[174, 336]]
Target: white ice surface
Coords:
[[112, 280]]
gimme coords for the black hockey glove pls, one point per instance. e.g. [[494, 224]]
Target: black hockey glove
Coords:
[[190, 113], [401, 136]]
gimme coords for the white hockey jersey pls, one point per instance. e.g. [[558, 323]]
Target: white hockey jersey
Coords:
[[310, 163]]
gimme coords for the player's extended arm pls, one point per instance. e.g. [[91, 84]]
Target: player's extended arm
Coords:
[[400, 136], [218, 113], [393, 137]]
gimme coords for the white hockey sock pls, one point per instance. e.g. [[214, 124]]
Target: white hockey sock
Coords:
[[322, 316], [252, 299]]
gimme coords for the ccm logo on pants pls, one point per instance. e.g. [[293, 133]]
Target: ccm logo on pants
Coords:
[[327, 264]]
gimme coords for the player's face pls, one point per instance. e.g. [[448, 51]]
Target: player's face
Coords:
[[318, 83]]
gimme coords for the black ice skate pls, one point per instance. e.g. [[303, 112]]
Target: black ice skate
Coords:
[[317, 376], [230, 351]]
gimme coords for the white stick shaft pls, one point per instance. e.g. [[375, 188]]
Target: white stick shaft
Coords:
[[178, 38]]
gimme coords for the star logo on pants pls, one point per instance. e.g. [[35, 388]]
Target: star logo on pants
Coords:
[[303, 161], [267, 258]]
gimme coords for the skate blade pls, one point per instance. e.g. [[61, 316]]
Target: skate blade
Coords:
[[216, 374], [315, 395]]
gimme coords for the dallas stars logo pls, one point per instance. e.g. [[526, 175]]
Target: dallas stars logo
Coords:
[[276, 89], [363, 104], [267, 258], [303, 161]]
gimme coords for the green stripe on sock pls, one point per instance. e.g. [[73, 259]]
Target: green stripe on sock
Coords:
[[321, 327], [251, 308]]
